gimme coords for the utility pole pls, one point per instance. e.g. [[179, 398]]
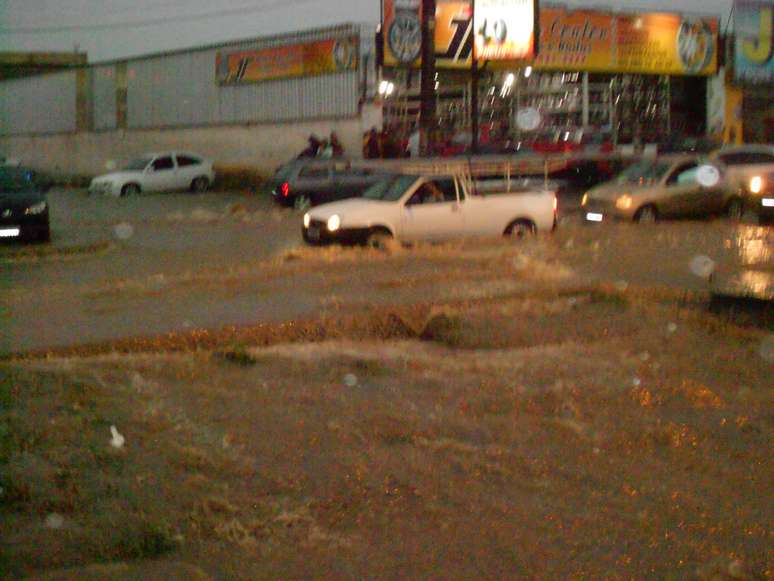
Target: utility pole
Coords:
[[427, 87], [474, 75]]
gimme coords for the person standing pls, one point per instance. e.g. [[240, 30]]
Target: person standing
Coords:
[[336, 146]]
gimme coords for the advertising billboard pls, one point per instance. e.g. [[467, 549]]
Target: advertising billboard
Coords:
[[647, 43], [308, 59], [587, 40], [402, 27], [753, 41], [504, 30]]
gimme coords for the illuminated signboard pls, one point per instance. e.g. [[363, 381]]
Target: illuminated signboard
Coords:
[[504, 29], [754, 41], [569, 40]]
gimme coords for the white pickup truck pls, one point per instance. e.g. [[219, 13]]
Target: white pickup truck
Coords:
[[412, 208]]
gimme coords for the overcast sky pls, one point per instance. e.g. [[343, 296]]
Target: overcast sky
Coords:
[[111, 29]]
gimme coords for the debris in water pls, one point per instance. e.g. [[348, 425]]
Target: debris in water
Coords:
[[123, 231], [117, 441], [621, 285], [766, 350], [671, 328], [702, 266], [54, 521], [350, 380], [636, 382]]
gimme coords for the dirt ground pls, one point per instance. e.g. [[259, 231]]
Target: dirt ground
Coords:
[[544, 411]]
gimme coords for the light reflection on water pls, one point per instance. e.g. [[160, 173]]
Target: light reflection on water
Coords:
[[754, 246]]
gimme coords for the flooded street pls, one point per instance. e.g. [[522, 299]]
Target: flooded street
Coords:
[[559, 407], [149, 265]]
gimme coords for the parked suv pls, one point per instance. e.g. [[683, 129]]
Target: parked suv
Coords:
[[310, 182]]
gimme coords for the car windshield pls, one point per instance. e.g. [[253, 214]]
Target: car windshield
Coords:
[[645, 171], [138, 164], [390, 189]]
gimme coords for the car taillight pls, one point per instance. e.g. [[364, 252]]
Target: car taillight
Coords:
[[285, 189]]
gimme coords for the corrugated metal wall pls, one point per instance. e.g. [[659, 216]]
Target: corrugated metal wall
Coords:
[[43, 104], [180, 89], [103, 87]]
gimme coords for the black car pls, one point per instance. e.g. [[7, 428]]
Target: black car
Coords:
[[23, 206], [311, 182]]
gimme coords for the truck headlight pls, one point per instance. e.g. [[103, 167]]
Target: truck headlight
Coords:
[[623, 203], [756, 185], [35, 209], [334, 222], [307, 220]]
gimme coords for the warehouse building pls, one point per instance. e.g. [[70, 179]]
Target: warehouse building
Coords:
[[247, 104]]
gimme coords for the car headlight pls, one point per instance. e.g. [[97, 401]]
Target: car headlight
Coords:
[[307, 220], [584, 199], [334, 222], [38, 208], [756, 185], [623, 202]]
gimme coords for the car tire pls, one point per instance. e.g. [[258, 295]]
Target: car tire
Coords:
[[646, 215], [735, 209], [200, 185], [302, 202], [520, 229], [130, 190], [380, 239]]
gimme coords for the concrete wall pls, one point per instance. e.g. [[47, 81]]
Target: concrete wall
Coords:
[[259, 147]]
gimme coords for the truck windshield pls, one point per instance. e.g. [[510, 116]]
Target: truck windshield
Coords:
[[390, 189]]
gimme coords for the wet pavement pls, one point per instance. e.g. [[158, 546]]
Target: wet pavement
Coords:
[[157, 264]]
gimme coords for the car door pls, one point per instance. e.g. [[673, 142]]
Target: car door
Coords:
[[433, 212], [679, 191], [161, 175], [315, 182], [188, 169]]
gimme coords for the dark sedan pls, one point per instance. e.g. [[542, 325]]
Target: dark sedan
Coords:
[[23, 206], [310, 182]]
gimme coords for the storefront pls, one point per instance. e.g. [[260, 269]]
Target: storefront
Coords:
[[603, 77], [752, 75]]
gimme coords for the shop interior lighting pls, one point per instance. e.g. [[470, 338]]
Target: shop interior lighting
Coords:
[[527, 72]]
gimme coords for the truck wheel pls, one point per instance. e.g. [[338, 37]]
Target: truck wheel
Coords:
[[380, 240], [520, 229], [200, 185], [130, 190]]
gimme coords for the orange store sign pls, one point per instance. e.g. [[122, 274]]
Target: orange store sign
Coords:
[[587, 40], [307, 59]]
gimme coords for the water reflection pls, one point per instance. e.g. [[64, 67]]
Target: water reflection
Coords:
[[757, 284], [754, 246]]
